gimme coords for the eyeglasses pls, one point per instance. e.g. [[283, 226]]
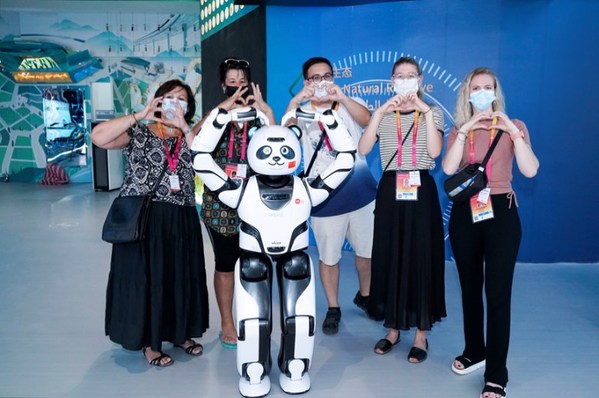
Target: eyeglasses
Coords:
[[317, 78], [402, 76], [236, 63]]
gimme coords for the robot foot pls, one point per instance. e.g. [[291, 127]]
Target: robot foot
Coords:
[[297, 383], [254, 387]]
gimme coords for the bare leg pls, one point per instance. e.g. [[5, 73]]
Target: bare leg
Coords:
[[329, 275], [224, 283], [363, 268]]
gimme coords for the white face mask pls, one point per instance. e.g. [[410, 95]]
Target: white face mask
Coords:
[[168, 105], [482, 99], [320, 89], [405, 86]]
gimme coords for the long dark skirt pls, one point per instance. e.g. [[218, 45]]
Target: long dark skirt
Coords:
[[408, 260], [157, 288]]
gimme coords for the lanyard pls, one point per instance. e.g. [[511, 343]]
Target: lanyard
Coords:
[[400, 142], [243, 142], [174, 159], [471, 145]]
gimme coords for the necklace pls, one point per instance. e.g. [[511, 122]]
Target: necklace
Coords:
[[160, 131]]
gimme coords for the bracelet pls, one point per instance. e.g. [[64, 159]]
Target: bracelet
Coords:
[[134, 119], [461, 133], [186, 130], [517, 135], [429, 109]]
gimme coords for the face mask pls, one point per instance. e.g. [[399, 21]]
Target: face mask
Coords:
[[482, 99], [405, 86], [320, 90], [168, 105], [230, 90]]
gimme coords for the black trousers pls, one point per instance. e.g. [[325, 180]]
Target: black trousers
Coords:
[[485, 255]]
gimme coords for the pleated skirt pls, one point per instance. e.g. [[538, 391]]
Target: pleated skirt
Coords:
[[408, 260], [157, 288]]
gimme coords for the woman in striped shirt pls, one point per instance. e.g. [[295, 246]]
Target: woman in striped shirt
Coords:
[[408, 261]]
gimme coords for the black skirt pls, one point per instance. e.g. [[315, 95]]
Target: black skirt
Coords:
[[157, 288], [408, 257]]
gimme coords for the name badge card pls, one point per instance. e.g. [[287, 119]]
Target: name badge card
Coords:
[[236, 170], [481, 211], [404, 190], [174, 181]]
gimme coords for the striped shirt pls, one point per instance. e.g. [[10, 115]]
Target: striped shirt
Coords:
[[388, 143]]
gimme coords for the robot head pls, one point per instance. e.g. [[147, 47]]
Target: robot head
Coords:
[[275, 150]]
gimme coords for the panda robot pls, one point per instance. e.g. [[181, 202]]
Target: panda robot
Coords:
[[273, 207]]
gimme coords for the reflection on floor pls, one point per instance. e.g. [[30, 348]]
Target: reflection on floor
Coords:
[[53, 271]]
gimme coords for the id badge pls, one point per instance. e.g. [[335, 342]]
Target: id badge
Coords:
[[174, 181], [404, 190], [481, 208], [234, 170]]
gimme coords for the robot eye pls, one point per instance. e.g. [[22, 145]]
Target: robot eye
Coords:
[[287, 152], [263, 152]]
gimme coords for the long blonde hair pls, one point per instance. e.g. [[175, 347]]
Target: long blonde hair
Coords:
[[464, 110]]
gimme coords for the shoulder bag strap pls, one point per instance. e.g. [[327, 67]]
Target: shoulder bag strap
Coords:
[[323, 134], [491, 149], [402, 142]]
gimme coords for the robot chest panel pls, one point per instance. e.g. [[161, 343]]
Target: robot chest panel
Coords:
[[275, 209]]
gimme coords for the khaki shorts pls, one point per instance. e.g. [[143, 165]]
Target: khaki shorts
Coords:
[[330, 233]]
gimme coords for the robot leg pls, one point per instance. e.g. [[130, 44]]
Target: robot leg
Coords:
[[253, 314], [298, 310]]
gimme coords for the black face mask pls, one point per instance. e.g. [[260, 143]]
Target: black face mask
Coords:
[[230, 90]]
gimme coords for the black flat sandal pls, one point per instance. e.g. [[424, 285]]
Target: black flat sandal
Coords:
[[418, 354], [493, 390], [190, 350], [158, 360], [384, 346]]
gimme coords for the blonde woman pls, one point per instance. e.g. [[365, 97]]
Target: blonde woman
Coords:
[[485, 231]]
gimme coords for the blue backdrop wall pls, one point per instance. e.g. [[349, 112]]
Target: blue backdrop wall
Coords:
[[544, 53]]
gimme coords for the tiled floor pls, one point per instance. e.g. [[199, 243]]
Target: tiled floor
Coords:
[[53, 271]]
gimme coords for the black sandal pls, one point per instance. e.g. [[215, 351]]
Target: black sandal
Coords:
[[190, 349], [418, 354], [494, 390], [331, 321], [158, 360], [384, 345]]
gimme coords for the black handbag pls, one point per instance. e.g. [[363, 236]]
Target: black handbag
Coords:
[[471, 179], [128, 216]]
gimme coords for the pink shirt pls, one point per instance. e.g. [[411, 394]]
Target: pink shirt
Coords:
[[502, 159]]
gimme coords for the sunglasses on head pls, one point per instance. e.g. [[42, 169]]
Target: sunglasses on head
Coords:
[[236, 63]]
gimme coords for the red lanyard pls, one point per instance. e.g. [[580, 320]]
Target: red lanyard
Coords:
[[243, 142], [399, 140], [471, 146], [174, 159]]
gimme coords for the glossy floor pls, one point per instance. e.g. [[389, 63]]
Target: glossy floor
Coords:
[[53, 271]]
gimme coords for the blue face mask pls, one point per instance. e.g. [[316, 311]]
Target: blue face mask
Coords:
[[482, 99]]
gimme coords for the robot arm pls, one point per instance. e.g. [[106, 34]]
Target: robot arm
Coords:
[[227, 189], [341, 141]]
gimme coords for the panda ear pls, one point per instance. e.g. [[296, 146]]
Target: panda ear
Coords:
[[296, 130], [252, 130]]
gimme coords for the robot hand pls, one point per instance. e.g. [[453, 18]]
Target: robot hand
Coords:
[[341, 141], [301, 114], [247, 114]]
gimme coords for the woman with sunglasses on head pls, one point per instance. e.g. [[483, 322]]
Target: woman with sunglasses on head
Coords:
[[157, 287], [408, 262], [485, 251], [221, 221]]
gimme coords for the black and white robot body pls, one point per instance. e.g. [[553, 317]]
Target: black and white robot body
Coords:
[[273, 206]]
